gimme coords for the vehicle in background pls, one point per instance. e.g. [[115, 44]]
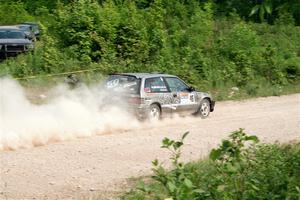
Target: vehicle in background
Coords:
[[154, 96], [28, 30], [34, 27], [13, 41]]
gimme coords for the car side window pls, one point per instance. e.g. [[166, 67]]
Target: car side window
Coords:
[[155, 85], [176, 85]]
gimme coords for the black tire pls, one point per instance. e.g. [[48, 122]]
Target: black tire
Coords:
[[204, 108], [154, 112]]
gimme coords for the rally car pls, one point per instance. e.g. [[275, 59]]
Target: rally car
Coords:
[[154, 95]]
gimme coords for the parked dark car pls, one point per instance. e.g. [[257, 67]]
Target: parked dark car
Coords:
[[153, 96], [13, 41]]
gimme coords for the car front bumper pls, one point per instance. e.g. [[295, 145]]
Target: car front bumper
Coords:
[[212, 105]]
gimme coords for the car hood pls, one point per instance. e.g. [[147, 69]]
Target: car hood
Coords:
[[15, 41]]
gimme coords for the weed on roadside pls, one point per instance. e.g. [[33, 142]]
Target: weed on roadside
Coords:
[[240, 168]]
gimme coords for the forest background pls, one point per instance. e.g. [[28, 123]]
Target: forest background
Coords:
[[232, 48]]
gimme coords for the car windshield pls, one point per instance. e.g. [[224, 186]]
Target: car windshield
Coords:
[[24, 27], [11, 35], [123, 83], [34, 27], [2, 35]]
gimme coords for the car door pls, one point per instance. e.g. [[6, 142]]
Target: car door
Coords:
[[156, 91], [185, 98]]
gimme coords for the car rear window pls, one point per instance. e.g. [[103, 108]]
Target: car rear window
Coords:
[[123, 83]]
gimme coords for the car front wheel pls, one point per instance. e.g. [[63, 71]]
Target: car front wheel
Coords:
[[204, 108]]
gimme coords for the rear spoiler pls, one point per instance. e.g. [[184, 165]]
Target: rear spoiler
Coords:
[[122, 74]]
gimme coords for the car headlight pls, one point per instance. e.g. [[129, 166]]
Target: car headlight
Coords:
[[29, 46]]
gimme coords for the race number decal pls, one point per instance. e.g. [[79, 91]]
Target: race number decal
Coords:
[[192, 98], [187, 98], [112, 83]]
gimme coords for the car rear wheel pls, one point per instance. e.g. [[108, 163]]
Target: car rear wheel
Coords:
[[154, 112], [204, 108]]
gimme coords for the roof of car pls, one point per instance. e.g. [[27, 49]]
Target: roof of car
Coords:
[[144, 75], [24, 25], [9, 28], [30, 23]]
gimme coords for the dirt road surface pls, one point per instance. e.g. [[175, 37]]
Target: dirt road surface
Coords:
[[102, 164]]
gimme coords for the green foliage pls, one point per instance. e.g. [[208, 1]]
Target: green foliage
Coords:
[[240, 168], [232, 150], [191, 39], [76, 29], [13, 13], [261, 9], [241, 47], [177, 183], [230, 160]]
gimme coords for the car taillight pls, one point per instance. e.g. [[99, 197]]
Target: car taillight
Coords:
[[135, 100]]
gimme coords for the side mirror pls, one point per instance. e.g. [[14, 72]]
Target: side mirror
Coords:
[[191, 89]]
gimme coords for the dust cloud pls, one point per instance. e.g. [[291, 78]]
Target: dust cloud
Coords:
[[68, 114]]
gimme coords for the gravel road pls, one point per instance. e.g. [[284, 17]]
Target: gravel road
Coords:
[[102, 164]]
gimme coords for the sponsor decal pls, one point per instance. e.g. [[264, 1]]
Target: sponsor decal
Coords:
[[112, 83], [187, 98], [158, 87], [147, 90], [184, 95], [192, 98]]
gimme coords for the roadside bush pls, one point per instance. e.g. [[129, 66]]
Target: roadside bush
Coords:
[[192, 39], [241, 48], [13, 13], [292, 69], [76, 29], [240, 168]]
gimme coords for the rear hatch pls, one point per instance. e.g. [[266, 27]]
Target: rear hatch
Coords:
[[124, 89]]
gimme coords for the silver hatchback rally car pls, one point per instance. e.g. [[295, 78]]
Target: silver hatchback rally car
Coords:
[[152, 96]]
